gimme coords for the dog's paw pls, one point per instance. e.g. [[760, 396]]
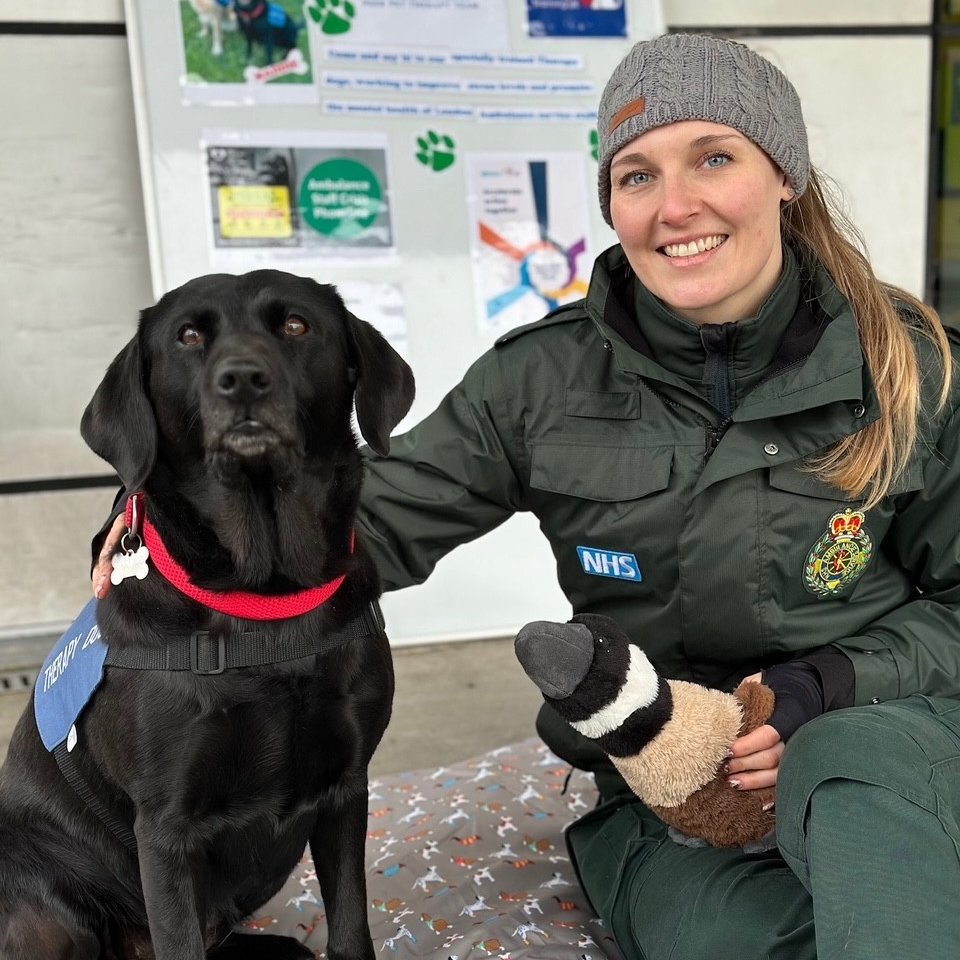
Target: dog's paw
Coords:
[[332, 16], [436, 151]]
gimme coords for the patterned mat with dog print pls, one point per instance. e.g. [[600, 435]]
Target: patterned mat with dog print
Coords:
[[466, 861]]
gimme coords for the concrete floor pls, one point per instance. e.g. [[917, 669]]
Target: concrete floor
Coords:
[[453, 701]]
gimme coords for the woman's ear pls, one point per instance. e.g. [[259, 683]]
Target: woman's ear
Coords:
[[787, 193]]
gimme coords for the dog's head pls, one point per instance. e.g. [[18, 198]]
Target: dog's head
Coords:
[[247, 373], [250, 7]]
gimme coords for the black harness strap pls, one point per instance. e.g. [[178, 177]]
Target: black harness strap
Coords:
[[71, 773], [204, 656], [201, 653]]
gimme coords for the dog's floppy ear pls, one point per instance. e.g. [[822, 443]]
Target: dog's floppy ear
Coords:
[[119, 424], [384, 384]]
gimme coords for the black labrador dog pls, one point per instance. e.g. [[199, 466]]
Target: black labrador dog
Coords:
[[269, 25], [230, 410]]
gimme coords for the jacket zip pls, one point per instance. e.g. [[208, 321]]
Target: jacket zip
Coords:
[[717, 340], [715, 435], [713, 432]]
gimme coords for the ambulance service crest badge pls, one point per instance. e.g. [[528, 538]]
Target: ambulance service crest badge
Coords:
[[839, 557]]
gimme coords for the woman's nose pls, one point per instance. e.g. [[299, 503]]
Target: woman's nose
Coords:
[[678, 200]]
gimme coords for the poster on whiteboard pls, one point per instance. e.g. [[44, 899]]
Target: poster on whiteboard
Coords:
[[297, 197], [530, 229], [246, 52], [577, 18]]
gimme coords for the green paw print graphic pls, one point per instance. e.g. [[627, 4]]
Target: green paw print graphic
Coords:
[[436, 151], [595, 145], [332, 16]]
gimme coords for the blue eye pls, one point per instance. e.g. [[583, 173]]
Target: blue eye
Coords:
[[718, 160], [636, 179]]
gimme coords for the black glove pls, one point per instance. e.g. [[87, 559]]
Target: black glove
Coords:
[[822, 679], [799, 693]]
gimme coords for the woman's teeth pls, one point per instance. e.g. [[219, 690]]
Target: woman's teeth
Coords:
[[693, 247]]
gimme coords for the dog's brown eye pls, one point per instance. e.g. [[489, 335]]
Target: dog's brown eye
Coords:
[[190, 336], [295, 326]]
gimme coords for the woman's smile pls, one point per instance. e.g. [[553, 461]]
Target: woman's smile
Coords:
[[687, 250]]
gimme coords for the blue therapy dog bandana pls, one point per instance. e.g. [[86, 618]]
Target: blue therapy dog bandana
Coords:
[[68, 678]]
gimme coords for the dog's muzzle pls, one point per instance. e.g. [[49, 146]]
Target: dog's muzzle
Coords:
[[247, 409]]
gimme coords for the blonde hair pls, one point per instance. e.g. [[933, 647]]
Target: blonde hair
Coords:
[[868, 463]]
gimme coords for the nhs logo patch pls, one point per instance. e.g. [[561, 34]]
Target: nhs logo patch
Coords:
[[608, 563]]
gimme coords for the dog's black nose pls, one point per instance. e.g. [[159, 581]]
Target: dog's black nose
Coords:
[[242, 379]]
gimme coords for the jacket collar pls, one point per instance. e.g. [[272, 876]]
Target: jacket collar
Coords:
[[831, 370], [753, 342], [827, 382]]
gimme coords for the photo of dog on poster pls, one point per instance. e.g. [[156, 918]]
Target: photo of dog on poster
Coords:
[[243, 41]]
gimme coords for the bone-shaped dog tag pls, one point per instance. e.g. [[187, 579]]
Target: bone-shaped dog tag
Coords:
[[130, 563]]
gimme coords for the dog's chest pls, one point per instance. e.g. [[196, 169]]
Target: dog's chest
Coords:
[[212, 754], [280, 750]]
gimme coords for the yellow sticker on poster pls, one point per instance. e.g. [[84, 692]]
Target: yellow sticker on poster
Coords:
[[255, 212]]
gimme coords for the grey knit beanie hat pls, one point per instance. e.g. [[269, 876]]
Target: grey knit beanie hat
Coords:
[[688, 76]]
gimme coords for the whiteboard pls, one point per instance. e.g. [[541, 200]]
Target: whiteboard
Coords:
[[421, 275], [408, 81]]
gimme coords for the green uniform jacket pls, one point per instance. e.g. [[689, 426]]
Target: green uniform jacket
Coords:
[[740, 562]]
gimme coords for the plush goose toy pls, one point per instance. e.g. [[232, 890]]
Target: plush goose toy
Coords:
[[668, 738]]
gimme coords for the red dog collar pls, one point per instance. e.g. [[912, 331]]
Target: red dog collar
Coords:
[[235, 603]]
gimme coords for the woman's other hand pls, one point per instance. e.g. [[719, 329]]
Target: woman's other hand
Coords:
[[756, 759]]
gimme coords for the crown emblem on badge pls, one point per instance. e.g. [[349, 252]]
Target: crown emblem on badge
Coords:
[[837, 560], [848, 522]]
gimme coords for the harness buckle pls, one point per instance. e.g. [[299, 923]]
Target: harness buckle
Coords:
[[195, 658]]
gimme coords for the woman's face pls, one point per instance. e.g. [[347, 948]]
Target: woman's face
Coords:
[[706, 185]]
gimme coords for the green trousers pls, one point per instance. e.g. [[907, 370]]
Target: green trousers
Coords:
[[868, 865]]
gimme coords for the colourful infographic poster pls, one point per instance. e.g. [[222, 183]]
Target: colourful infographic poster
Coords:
[[529, 235]]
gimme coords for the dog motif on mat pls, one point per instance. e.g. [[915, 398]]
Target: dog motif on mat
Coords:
[[238, 689]]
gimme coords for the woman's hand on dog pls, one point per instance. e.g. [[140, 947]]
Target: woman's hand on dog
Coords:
[[100, 580]]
